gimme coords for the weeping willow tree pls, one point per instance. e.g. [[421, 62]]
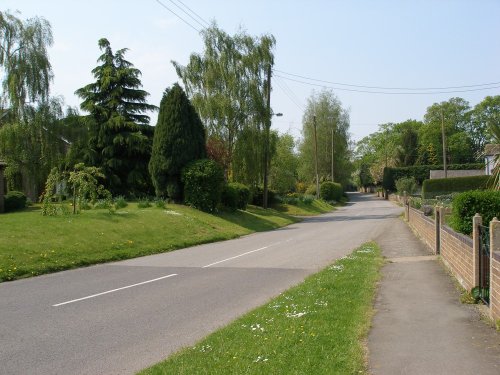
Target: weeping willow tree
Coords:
[[33, 146], [226, 84], [24, 62]]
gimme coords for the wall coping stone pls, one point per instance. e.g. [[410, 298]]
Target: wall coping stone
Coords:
[[459, 236]]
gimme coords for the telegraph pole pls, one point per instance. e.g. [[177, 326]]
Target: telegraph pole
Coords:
[[332, 153], [267, 135], [316, 156], [444, 145]]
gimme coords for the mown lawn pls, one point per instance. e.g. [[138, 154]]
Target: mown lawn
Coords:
[[317, 327], [32, 244]]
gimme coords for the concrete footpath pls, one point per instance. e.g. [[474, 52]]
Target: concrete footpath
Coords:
[[420, 327]]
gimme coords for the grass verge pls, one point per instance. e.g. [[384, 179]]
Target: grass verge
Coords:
[[317, 207], [317, 327], [32, 244]]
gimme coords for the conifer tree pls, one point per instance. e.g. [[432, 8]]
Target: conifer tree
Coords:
[[431, 155], [179, 139], [118, 142]]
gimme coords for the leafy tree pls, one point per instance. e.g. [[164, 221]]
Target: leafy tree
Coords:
[[331, 119], [485, 115], [179, 139], [456, 116], [119, 143], [32, 146], [407, 152], [226, 85], [284, 165], [24, 62]]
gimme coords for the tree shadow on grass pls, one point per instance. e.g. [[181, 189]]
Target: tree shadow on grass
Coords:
[[255, 219]]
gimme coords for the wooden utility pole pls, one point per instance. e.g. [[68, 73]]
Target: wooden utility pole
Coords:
[[332, 153], [316, 156], [267, 135], [444, 145]]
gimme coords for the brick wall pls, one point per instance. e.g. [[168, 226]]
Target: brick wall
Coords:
[[457, 253], [424, 226], [495, 286]]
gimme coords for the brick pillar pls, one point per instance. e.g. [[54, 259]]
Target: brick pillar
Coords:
[[494, 248], [476, 247]]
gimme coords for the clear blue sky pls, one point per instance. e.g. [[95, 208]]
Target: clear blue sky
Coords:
[[400, 43]]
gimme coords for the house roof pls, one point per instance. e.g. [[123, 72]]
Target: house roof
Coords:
[[491, 149]]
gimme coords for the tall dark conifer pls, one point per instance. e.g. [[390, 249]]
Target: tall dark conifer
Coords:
[[118, 141], [179, 139]]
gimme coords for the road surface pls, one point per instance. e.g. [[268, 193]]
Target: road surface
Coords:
[[118, 318]]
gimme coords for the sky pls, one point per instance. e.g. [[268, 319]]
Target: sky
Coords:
[[407, 44]]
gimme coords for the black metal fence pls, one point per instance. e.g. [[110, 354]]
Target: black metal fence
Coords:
[[484, 264]]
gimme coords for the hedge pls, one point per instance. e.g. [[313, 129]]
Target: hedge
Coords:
[[14, 200], [203, 183], [467, 204], [235, 196], [331, 191], [443, 186], [419, 172]]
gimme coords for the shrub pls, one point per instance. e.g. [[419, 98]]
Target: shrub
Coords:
[[243, 195], [443, 186], [103, 204], [144, 203], [160, 203], [229, 197], [406, 184], [311, 190], [467, 204], [120, 202], [300, 187], [14, 200], [307, 199], [203, 184], [331, 191], [258, 197], [419, 172]]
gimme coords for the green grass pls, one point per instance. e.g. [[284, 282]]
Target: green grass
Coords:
[[32, 244], [302, 209], [317, 327]]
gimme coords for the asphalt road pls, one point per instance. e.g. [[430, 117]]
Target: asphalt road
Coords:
[[118, 318]]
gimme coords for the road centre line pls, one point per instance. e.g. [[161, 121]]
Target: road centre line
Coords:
[[114, 290], [240, 255]]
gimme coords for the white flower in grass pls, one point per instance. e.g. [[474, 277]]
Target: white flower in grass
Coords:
[[321, 303], [256, 327], [336, 267], [205, 348], [261, 358], [295, 314]]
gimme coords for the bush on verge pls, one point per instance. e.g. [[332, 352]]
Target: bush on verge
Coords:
[[444, 186], [467, 204], [203, 183], [14, 200], [331, 191]]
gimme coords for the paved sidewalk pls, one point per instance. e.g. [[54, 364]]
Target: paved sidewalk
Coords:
[[420, 327]]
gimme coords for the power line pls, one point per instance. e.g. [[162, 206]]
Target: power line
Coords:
[[387, 92], [387, 88], [283, 82], [182, 19], [196, 14], [187, 14], [292, 99]]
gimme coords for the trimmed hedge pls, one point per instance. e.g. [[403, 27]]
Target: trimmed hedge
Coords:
[[466, 205], [443, 186], [14, 200], [203, 183], [331, 191], [235, 196], [419, 172]]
